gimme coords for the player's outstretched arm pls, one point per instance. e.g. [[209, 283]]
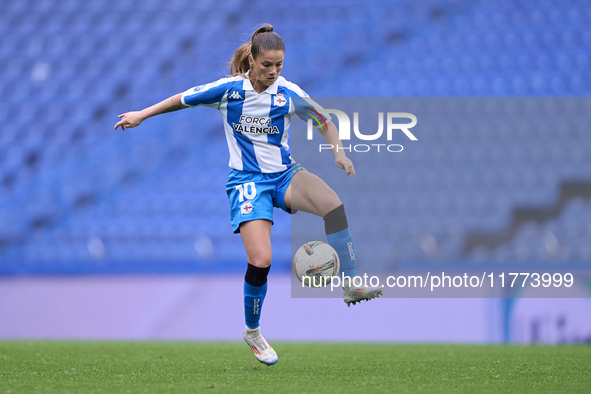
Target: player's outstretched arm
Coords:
[[331, 136], [134, 118]]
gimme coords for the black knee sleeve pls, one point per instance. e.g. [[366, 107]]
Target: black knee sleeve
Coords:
[[335, 220], [256, 276]]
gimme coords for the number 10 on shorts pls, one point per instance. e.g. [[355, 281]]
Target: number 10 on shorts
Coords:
[[247, 191]]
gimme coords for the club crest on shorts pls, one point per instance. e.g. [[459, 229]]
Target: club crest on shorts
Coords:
[[246, 208], [279, 100]]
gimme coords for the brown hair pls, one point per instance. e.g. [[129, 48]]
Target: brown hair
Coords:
[[263, 39]]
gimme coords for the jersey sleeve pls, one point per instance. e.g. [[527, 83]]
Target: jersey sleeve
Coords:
[[209, 95], [305, 108]]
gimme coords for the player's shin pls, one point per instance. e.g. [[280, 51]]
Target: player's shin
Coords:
[[340, 238], [255, 289]]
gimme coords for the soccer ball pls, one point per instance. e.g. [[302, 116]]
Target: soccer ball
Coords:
[[316, 263]]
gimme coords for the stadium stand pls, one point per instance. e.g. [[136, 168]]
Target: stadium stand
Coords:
[[76, 197]]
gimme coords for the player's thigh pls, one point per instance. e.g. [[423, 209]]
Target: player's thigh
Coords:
[[250, 197], [256, 237], [308, 193]]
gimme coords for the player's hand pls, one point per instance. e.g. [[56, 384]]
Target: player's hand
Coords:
[[346, 164], [129, 119]]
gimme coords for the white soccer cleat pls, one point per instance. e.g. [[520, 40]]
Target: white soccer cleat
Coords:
[[260, 347], [355, 294]]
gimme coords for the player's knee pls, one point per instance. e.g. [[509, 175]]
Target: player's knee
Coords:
[[335, 220], [256, 276], [330, 202], [260, 260]]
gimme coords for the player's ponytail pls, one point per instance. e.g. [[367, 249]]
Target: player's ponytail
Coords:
[[240, 64], [263, 39]]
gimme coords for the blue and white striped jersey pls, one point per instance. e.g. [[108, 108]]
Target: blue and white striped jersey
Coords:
[[256, 124]]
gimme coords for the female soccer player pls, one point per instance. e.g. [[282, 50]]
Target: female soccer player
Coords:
[[257, 105]]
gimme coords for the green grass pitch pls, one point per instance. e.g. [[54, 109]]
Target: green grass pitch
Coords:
[[225, 367]]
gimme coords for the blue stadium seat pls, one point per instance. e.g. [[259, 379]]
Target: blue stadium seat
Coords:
[[69, 67]]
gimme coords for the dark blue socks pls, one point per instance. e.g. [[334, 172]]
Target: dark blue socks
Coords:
[[340, 238], [255, 289], [253, 302], [342, 242]]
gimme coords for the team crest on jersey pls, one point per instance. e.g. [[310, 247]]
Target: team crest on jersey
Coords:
[[246, 208], [279, 100]]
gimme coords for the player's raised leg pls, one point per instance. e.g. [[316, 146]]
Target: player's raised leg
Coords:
[[256, 236], [311, 194]]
